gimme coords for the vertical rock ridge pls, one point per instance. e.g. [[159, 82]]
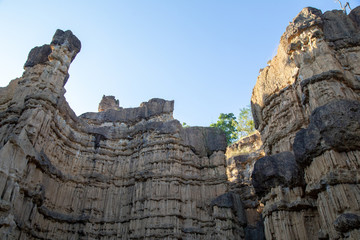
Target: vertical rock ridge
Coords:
[[306, 104]]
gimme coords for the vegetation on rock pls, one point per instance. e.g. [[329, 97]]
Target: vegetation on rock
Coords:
[[235, 128]]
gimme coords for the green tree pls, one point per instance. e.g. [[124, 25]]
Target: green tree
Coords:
[[245, 122], [184, 125], [236, 128], [227, 122]]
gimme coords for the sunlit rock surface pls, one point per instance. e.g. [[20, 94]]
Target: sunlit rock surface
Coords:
[[241, 157], [121, 173], [135, 173], [107, 103], [306, 107]]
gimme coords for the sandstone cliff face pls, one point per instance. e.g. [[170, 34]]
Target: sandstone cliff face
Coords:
[[116, 174], [135, 173], [306, 105], [240, 159], [317, 62]]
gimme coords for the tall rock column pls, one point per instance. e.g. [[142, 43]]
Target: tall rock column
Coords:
[[306, 103], [25, 106]]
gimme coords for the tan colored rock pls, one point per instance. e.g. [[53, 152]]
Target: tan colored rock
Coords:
[[118, 174], [310, 69], [307, 102], [108, 102], [240, 159], [288, 215]]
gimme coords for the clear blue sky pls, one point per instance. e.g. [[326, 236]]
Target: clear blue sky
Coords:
[[204, 54]]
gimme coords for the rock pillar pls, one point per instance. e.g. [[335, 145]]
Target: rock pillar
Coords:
[[306, 103]]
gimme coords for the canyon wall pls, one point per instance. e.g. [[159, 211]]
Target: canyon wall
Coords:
[[306, 105], [241, 157], [120, 173], [136, 173]]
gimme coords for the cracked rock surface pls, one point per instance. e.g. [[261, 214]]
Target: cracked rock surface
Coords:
[[121, 173], [306, 107]]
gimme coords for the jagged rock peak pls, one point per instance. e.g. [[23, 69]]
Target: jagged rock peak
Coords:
[[108, 102], [40, 55], [307, 18], [68, 39]]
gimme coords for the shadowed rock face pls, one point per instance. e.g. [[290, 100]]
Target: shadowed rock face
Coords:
[[38, 55], [335, 125], [355, 17], [277, 170], [68, 40], [341, 30], [231, 200], [124, 173], [204, 141], [347, 222]]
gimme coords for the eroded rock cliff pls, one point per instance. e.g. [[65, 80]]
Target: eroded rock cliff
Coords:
[[135, 173], [306, 105], [121, 173], [240, 160]]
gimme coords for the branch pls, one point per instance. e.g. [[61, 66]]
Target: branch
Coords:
[[347, 5], [344, 8], [340, 5]]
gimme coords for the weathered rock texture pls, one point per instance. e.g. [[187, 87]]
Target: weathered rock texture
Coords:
[[117, 174], [135, 173], [240, 160], [306, 105], [108, 102]]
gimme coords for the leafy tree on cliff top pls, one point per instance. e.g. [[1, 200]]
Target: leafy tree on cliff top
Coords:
[[245, 122], [235, 129], [227, 123]]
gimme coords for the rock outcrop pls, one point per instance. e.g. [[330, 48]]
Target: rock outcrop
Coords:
[[306, 106], [107, 103], [121, 173], [240, 160]]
